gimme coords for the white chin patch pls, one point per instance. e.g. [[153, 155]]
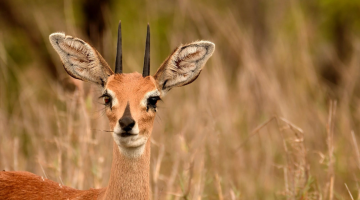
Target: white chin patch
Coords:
[[131, 146]]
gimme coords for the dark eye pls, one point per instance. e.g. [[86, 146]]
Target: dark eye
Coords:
[[151, 102], [107, 99]]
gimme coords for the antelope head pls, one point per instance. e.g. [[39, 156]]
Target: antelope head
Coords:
[[130, 99]]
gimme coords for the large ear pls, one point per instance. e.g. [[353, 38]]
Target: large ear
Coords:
[[184, 65], [80, 60]]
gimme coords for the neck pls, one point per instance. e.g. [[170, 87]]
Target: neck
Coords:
[[129, 178]]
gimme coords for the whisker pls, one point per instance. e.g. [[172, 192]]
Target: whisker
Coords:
[[157, 118], [102, 130]]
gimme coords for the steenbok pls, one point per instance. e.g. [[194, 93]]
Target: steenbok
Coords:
[[130, 104]]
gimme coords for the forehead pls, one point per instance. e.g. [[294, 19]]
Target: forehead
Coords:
[[128, 85]]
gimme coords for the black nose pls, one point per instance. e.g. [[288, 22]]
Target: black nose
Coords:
[[126, 123]]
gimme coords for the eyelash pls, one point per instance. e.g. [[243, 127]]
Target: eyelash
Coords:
[[151, 102], [107, 100]]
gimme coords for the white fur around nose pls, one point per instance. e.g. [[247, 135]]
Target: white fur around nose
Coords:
[[131, 146]]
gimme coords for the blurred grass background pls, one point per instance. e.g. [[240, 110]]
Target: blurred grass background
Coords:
[[274, 115]]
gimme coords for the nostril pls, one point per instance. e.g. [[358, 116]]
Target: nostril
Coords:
[[126, 123], [132, 124]]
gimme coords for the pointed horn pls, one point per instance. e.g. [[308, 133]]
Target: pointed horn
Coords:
[[146, 69], [118, 62]]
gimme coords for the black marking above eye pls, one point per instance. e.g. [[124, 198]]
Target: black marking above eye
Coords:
[[151, 102]]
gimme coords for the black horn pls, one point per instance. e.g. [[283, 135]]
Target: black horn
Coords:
[[146, 69], [118, 62]]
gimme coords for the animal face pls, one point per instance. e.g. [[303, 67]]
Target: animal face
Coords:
[[130, 104]]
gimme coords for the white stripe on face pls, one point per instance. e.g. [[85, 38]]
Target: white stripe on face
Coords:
[[113, 97]]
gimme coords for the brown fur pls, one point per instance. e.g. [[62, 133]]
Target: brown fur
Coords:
[[131, 88], [129, 176], [25, 185]]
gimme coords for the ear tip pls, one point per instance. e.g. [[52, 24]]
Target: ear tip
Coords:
[[56, 36], [209, 45], [205, 43]]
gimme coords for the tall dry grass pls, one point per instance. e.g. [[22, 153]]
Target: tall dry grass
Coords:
[[259, 123]]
